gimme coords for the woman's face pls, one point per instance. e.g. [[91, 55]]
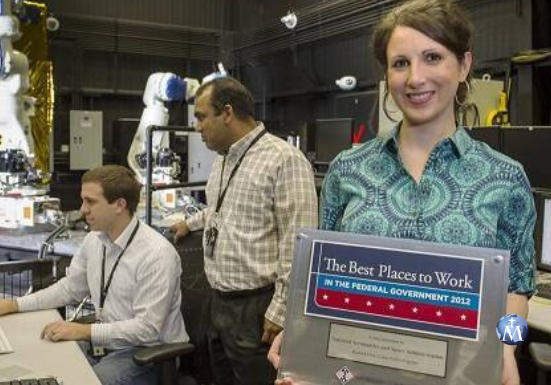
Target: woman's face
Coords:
[[423, 77]]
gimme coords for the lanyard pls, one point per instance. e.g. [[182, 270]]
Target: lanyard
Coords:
[[104, 290], [222, 194]]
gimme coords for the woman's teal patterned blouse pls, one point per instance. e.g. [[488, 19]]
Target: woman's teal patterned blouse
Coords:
[[468, 194]]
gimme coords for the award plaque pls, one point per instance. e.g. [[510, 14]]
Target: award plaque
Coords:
[[385, 311]]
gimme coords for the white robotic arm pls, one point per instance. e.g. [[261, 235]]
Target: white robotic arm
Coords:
[[161, 87], [15, 108], [22, 199]]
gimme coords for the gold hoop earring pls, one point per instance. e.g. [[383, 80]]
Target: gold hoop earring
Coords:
[[466, 95]]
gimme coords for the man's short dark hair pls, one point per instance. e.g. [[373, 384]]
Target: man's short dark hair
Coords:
[[116, 182], [229, 91]]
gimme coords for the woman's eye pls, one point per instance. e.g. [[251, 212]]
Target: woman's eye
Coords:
[[433, 57], [400, 63]]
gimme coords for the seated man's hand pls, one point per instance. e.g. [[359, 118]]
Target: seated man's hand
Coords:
[[66, 331], [180, 230], [7, 307]]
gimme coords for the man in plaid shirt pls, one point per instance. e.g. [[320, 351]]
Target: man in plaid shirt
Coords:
[[261, 190]]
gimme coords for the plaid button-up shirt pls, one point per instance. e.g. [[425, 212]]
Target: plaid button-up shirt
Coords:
[[271, 195]]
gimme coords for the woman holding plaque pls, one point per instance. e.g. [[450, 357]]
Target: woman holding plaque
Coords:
[[428, 180]]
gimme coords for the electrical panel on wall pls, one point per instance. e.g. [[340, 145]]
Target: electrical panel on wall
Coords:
[[200, 158], [86, 139]]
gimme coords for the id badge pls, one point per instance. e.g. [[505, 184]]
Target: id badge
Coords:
[[211, 235], [97, 351]]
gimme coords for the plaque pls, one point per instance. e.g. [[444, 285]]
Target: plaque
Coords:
[[372, 310]]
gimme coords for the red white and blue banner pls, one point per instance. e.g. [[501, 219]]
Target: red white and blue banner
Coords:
[[428, 293]]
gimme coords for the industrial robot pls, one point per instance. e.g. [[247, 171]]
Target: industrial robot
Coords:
[[163, 87], [16, 142], [22, 195]]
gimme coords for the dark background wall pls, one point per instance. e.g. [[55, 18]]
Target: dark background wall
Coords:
[[105, 50], [292, 72]]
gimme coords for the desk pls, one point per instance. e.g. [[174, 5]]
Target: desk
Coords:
[[61, 359], [539, 314], [30, 240], [539, 309]]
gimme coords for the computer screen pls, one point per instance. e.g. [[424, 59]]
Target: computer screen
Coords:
[[530, 146], [543, 230], [488, 135], [301, 129], [332, 137]]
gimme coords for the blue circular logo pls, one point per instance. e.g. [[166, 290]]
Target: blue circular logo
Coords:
[[512, 329]]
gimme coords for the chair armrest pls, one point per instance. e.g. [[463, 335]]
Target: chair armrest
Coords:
[[161, 353], [541, 353]]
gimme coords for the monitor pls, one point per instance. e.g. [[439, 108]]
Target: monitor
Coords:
[[543, 229], [489, 135], [530, 146], [123, 133], [332, 137], [293, 130]]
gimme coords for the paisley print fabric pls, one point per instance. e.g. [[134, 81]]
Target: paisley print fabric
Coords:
[[469, 195]]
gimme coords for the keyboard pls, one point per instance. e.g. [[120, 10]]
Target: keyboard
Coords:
[[35, 381], [5, 346], [544, 290]]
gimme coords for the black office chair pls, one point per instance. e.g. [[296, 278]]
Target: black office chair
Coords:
[[541, 354], [194, 361]]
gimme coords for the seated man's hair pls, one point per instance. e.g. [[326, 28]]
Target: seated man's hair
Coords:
[[116, 182]]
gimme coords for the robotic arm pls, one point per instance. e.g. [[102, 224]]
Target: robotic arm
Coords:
[[15, 108], [161, 87]]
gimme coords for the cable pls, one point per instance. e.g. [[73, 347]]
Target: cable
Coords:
[[531, 56], [49, 241], [79, 308], [2, 74], [2, 49]]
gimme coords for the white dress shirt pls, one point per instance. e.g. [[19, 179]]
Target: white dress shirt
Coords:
[[142, 306]]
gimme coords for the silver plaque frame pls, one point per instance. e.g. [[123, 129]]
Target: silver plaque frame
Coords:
[[331, 349]]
